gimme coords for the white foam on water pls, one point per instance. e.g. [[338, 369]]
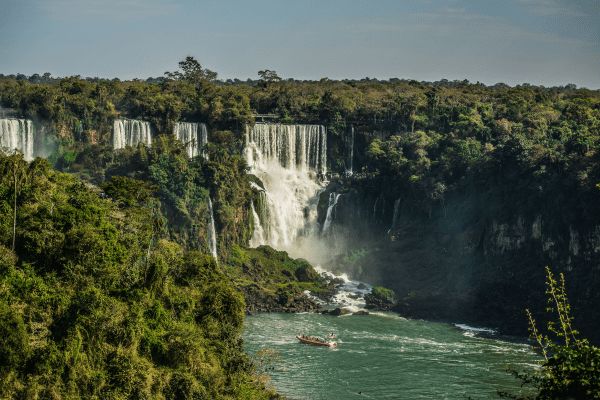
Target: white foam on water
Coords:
[[350, 294], [473, 330]]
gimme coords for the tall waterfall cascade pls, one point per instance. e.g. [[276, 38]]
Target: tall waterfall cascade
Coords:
[[131, 132], [17, 134], [294, 147], [211, 231], [193, 135], [291, 162]]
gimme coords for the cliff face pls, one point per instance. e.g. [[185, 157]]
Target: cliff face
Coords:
[[475, 257]]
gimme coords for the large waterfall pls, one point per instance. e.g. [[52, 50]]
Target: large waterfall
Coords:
[[193, 135], [294, 147], [291, 161], [17, 134], [130, 132]]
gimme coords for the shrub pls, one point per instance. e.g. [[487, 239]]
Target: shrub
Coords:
[[571, 365]]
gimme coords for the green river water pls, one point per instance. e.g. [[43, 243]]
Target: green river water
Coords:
[[384, 356]]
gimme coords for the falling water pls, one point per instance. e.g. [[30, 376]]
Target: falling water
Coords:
[[212, 233], [193, 135], [290, 160], [258, 236], [395, 216], [130, 132], [294, 147], [333, 199], [17, 134], [350, 163]]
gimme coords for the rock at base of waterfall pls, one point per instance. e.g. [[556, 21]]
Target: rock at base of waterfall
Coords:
[[337, 312], [306, 273], [380, 298]]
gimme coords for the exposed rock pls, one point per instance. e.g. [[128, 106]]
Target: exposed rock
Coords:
[[380, 298], [337, 281], [306, 273], [361, 312], [336, 312], [260, 300]]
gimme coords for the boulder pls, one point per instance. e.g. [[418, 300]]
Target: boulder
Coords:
[[380, 298], [336, 312], [306, 273]]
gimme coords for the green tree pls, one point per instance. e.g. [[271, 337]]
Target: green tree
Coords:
[[191, 70], [267, 77]]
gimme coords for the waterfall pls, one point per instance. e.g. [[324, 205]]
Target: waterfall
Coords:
[[350, 162], [291, 161], [258, 236], [193, 135], [130, 132], [294, 147], [395, 215], [333, 199], [212, 232], [17, 134]]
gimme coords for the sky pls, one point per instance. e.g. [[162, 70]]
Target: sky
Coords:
[[547, 42]]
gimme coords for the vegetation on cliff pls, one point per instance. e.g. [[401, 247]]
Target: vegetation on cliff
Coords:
[[271, 281], [381, 298], [97, 302]]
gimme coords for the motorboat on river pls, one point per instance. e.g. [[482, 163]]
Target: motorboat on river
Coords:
[[315, 341]]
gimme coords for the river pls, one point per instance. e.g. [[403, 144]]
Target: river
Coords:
[[384, 356], [380, 356]]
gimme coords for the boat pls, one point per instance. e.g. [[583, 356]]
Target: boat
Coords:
[[315, 341]]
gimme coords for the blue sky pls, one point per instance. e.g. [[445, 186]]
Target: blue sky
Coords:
[[549, 42]]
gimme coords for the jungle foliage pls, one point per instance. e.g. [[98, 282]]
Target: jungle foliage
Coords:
[[96, 302]]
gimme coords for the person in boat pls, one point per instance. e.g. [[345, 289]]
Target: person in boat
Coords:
[[331, 335]]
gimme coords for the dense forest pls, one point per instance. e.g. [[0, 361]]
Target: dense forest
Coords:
[[460, 195], [95, 302]]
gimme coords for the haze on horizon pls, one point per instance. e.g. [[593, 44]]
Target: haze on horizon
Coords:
[[547, 42]]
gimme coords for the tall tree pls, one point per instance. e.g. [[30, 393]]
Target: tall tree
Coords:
[[191, 70], [267, 77]]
